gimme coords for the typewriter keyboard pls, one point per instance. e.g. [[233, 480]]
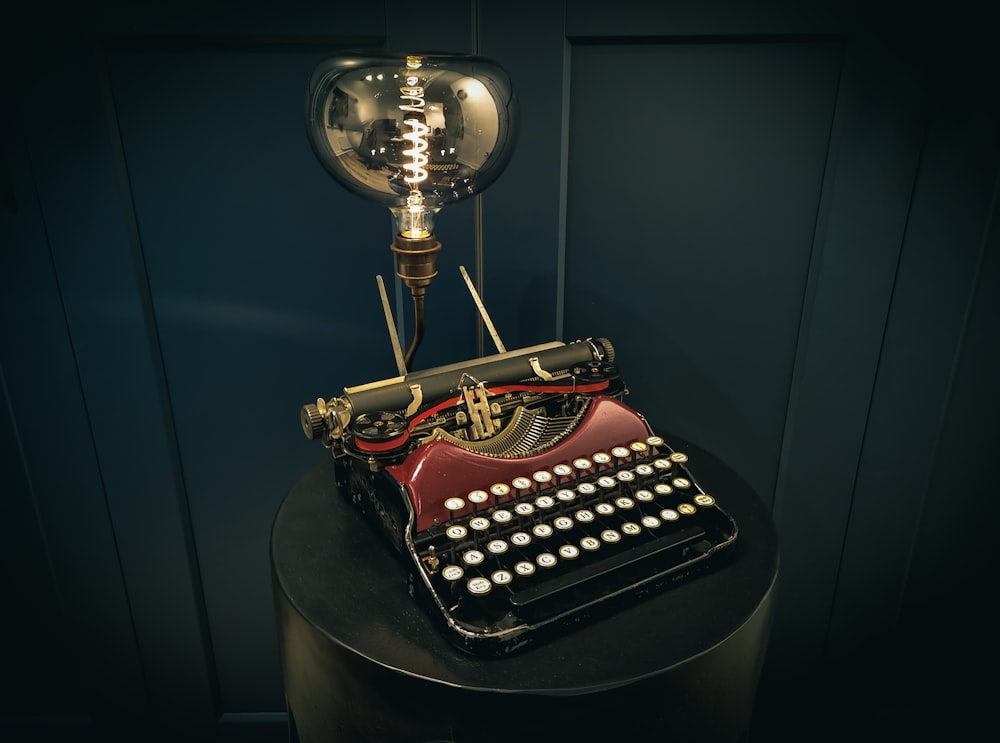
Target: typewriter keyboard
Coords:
[[548, 541]]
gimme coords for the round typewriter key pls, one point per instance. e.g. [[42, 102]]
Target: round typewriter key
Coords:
[[582, 463], [681, 483], [454, 504], [631, 528], [501, 577], [478, 496], [541, 477], [586, 488], [563, 470], [520, 539], [639, 447], [546, 560], [610, 536], [604, 509], [542, 531], [473, 557], [686, 508], [524, 568], [565, 495], [497, 547], [608, 483], [624, 502], [654, 441], [663, 464], [601, 457], [563, 523], [569, 552], [521, 483], [646, 496], [456, 532], [590, 543], [452, 573], [644, 470], [584, 516], [704, 500], [479, 586], [500, 489], [651, 522], [662, 488], [524, 509], [545, 501], [479, 524], [679, 457], [669, 514], [625, 476], [502, 516], [620, 451]]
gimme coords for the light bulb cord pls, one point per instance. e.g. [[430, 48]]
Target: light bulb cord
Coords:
[[418, 328]]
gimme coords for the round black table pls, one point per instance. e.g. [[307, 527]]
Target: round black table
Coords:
[[362, 661]]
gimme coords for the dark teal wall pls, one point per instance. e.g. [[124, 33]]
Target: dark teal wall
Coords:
[[782, 216]]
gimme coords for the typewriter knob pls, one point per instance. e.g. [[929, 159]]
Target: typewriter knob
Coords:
[[606, 350], [313, 425]]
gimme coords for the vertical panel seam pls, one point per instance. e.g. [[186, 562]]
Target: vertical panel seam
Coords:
[[563, 208]]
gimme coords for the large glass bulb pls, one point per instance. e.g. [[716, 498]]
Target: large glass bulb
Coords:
[[413, 132]]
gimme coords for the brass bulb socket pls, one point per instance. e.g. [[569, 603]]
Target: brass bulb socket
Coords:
[[416, 260]]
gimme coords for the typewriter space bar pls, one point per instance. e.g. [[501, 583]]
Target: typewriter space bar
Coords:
[[620, 562]]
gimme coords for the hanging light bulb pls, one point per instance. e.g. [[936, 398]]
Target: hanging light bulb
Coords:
[[415, 133]]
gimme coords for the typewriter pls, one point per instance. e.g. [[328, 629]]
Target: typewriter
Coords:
[[520, 490]]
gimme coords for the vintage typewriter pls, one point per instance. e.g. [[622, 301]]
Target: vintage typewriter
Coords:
[[520, 490]]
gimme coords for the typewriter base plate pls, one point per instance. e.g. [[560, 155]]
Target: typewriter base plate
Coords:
[[362, 659]]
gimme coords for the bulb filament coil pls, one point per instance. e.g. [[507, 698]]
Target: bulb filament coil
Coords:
[[412, 96]]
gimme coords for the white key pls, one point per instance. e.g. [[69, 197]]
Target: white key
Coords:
[[456, 532], [681, 483], [454, 504], [590, 544], [646, 496], [601, 457], [625, 476], [663, 464], [669, 514], [586, 488], [479, 524], [620, 451], [569, 552], [500, 489], [524, 568], [563, 470], [502, 516], [452, 573], [704, 500], [604, 509], [544, 501], [584, 516], [624, 502], [524, 509], [473, 557], [582, 463], [521, 483], [607, 483], [479, 586], [565, 495], [654, 441], [651, 522], [563, 523], [610, 536], [546, 560], [644, 470], [631, 528], [520, 539], [501, 577], [497, 546], [662, 488], [541, 477], [542, 531], [478, 496]]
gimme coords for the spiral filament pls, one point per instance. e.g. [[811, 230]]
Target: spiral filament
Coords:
[[412, 95]]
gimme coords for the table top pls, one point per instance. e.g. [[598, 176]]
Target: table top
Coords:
[[342, 578]]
